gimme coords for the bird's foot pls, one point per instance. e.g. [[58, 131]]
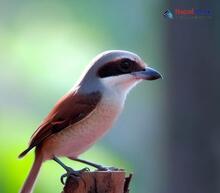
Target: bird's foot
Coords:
[[72, 172], [97, 166]]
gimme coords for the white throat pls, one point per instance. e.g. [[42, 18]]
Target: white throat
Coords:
[[120, 84]]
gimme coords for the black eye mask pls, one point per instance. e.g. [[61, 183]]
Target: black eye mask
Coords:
[[119, 67]]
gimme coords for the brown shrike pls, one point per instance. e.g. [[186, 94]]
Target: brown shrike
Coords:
[[87, 111]]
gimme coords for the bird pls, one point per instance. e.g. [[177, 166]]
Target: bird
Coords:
[[87, 111]]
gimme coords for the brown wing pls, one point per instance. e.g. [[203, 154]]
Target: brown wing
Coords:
[[70, 109]]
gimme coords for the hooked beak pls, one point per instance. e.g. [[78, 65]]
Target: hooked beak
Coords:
[[147, 74]]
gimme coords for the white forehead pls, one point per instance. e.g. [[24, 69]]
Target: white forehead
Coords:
[[112, 55], [117, 53]]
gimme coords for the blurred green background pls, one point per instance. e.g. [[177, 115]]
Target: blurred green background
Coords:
[[164, 136]]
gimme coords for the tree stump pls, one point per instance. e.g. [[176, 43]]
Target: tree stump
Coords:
[[98, 182]]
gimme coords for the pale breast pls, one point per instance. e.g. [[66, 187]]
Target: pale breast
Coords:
[[77, 138]]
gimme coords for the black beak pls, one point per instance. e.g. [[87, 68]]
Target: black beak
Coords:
[[147, 74]]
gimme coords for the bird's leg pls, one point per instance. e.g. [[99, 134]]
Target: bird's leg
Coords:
[[97, 166], [69, 170]]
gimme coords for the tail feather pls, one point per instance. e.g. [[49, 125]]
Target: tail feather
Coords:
[[22, 154], [32, 176]]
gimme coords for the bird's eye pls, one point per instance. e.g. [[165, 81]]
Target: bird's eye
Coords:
[[125, 65]]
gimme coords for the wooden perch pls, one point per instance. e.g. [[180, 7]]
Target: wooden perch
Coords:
[[98, 182]]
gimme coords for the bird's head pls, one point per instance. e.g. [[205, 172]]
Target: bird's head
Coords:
[[119, 70]]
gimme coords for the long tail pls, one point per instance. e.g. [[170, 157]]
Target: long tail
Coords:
[[29, 182]]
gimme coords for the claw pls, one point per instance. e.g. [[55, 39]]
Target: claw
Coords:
[[62, 178], [71, 172], [86, 169]]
